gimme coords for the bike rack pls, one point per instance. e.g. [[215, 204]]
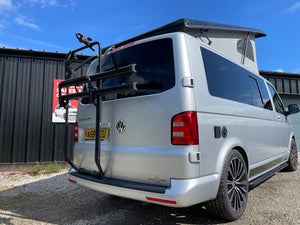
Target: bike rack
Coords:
[[92, 94]]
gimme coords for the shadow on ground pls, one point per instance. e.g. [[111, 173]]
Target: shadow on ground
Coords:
[[56, 201]]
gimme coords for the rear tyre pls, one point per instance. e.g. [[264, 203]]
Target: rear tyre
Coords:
[[232, 197], [293, 157]]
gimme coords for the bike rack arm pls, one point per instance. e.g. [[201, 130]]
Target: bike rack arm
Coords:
[[93, 93]]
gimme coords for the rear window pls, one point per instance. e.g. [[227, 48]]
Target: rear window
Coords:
[[154, 65]]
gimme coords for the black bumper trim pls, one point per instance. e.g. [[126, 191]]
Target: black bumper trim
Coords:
[[121, 183]]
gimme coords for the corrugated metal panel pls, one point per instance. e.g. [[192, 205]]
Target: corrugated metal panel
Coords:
[[21, 110], [27, 133], [285, 83], [294, 85]]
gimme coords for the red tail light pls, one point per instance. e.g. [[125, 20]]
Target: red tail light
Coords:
[[185, 129], [76, 132]]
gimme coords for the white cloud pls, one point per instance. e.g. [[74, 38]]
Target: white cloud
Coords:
[[292, 9], [5, 5], [21, 20], [44, 3], [52, 3], [279, 70]]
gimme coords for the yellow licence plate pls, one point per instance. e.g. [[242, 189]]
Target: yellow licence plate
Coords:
[[90, 134]]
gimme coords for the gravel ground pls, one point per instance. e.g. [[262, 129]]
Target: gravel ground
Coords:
[[51, 199]]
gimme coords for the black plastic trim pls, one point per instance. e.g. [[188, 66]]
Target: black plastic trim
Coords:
[[217, 131], [267, 166], [266, 176], [121, 183]]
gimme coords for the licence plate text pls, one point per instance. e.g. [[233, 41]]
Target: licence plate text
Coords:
[[90, 134]]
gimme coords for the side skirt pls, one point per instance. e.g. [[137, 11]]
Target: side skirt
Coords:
[[266, 176]]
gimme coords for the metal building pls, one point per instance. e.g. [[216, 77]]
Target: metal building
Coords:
[[27, 133], [288, 87]]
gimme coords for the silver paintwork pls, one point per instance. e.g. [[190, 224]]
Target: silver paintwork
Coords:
[[143, 153]]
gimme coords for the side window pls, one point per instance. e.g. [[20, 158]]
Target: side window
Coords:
[[255, 93], [241, 48], [277, 102], [265, 95], [225, 79]]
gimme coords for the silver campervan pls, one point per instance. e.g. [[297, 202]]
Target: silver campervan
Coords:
[[193, 123]]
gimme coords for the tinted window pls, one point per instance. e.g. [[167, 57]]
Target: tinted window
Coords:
[[255, 93], [241, 48], [154, 65], [264, 94], [225, 79], [230, 81], [277, 102]]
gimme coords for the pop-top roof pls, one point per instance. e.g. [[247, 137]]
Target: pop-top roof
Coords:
[[191, 27]]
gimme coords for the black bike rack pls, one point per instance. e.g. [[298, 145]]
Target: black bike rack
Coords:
[[92, 94]]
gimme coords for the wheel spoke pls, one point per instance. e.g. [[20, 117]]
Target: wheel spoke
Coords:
[[244, 189], [232, 166], [241, 175], [231, 196], [237, 184], [239, 200], [234, 200], [240, 169], [242, 194], [241, 183], [230, 172]]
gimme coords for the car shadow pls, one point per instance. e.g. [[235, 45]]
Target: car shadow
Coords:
[[55, 200]]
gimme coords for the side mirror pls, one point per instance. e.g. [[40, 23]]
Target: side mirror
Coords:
[[292, 109]]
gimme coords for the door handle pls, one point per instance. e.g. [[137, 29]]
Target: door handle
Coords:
[[279, 117]]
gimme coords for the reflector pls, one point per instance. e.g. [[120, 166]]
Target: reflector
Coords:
[[161, 200]]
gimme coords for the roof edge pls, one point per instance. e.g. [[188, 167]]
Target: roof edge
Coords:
[[190, 26]]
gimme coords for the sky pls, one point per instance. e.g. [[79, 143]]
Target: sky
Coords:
[[51, 25]]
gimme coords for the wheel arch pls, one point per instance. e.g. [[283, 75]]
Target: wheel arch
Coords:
[[228, 146], [244, 154]]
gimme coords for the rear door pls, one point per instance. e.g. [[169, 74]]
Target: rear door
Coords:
[[138, 147]]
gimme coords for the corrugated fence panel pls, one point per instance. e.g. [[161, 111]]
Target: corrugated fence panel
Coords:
[[27, 133], [47, 135], [21, 110], [2, 68], [8, 107], [35, 110]]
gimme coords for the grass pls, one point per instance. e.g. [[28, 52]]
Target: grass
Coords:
[[39, 169], [52, 168]]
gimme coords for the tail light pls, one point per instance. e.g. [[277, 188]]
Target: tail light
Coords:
[[76, 132], [185, 129]]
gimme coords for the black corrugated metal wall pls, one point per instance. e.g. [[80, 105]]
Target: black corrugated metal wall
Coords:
[[27, 133]]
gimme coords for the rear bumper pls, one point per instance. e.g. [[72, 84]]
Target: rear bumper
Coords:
[[181, 193]]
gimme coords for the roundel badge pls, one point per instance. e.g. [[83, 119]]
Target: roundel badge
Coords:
[[121, 126]]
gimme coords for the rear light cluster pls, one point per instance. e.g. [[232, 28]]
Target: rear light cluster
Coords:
[[76, 132], [185, 129]]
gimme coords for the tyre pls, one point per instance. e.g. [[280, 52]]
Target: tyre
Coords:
[[232, 197], [293, 157]]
